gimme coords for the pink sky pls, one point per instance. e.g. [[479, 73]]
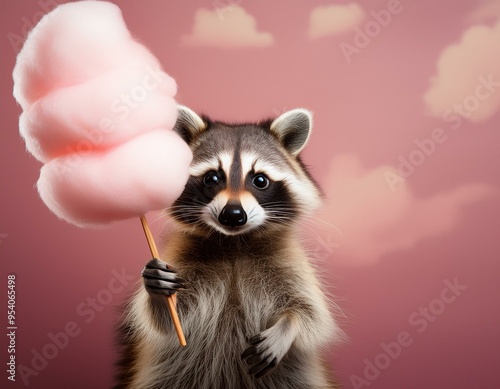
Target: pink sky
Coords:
[[406, 100]]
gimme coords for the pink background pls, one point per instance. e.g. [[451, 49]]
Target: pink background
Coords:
[[386, 251]]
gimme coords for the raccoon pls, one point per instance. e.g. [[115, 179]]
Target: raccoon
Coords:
[[252, 309]]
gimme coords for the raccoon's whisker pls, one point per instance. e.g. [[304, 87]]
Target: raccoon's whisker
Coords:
[[274, 203], [285, 222], [180, 206], [252, 212], [280, 215], [280, 211], [310, 229], [324, 222], [192, 202], [191, 212], [277, 206], [315, 226], [208, 235], [160, 216]]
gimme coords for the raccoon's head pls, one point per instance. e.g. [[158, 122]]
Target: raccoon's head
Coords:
[[245, 177]]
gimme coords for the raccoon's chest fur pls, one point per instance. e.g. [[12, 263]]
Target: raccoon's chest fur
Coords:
[[241, 296], [226, 303]]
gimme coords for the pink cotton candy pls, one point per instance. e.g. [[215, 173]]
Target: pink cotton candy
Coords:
[[103, 112], [99, 112], [127, 181], [72, 44]]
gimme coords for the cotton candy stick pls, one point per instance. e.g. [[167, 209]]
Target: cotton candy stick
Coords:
[[171, 300], [98, 111]]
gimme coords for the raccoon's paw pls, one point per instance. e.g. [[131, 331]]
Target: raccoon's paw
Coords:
[[160, 278], [266, 351]]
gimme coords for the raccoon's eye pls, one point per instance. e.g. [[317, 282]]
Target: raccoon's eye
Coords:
[[260, 181], [211, 179]]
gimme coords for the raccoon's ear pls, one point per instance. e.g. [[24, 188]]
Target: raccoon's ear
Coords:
[[189, 125], [293, 129]]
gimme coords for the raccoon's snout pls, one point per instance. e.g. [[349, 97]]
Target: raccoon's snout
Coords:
[[233, 215]]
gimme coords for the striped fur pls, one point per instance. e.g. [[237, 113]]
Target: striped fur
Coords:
[[249, 282]]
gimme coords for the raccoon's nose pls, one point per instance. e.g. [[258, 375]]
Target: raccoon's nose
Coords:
[[233, 215]]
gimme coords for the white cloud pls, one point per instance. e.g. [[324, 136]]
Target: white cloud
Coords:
[[462, 69], [334, 19], [372, 220], [226, 27]]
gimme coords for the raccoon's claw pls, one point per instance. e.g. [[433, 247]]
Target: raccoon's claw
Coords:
[[259, 356], [159, 278]]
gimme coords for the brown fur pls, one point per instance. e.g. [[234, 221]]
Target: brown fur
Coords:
[[257, 285]]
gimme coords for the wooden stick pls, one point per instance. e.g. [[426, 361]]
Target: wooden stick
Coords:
[[171, 300]]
